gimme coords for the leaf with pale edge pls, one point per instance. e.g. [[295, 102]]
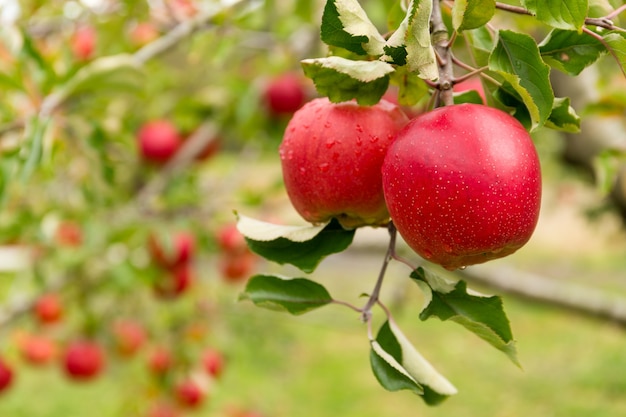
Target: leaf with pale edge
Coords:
[[397, 365], [342, 79], [471, 14], [562, 14], [570, 51], [516, 59], [346, 25], [508, 97], [482, 315], [301, 246], [411, 45], [295, 295], [563, 116]]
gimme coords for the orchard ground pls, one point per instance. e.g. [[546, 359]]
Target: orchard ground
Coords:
[[317, 364]]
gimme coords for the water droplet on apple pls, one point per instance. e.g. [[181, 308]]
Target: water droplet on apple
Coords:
[[447, 248], [324, 166], [359, 128], [330, 143], [462, 267], [303, 170], [427, 254]]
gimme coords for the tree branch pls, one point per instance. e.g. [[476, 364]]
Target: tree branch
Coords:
[[576, 298], [441, 42]]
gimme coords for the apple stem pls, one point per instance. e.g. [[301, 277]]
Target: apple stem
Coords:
[[442, 44], [391, 250]]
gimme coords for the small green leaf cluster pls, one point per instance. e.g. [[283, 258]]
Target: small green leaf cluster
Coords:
[[515, 66], [395, 362]]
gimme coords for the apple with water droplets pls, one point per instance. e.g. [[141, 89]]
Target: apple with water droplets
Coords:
[[463, 185], [331, 156]]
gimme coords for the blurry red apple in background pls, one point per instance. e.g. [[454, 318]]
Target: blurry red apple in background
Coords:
[[158, 141], [160, 360], [285, 94], [83, 42], [172, 251], [129, 336], [189, 394], [68, 233], [48, 308], [83, 360], [37, 349], [213, 362], [6, 375], [173, 282]]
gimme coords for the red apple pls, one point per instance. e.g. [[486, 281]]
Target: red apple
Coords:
[[83, 42], [174, 282], [69, 233], [230, 240], [469, 84], [6, 375], [175, 253], [83, 360], [236, 267], [285, 94], [160, 360], [189, 394], [331, 156], [48, 308], [37, 349], [129, 336], [158, 141], [213, 362], [463, 185], [143, 33]]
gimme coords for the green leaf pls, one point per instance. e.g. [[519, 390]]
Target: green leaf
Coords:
[[617, 43], [36, 132], [346, 25], [482, 315], [410, 89], [563, 116], [570, 51], [398, 365], [561, 14], [471, 14], [10, 83], [509, 98], [119, 73], [410, 44], [342, 79], [35, 64], [481, 42], [295, 296], [301, 246], [516, 59], [470, 96]]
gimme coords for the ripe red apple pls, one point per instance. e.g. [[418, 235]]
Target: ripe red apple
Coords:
[[129, 336], [158, 141], [6, 375], [83, 360], [469, 84], [83, 42], [189, 393], [48, 308], [331, 156], [160, 360], [463, 185], [37, 349], [285, 94], [174, 282], [213, 362], [175, 253]]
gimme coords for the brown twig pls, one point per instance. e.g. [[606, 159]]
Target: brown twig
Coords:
[[440, 39]]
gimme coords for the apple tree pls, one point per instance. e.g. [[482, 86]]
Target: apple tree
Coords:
[[125, 125]]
